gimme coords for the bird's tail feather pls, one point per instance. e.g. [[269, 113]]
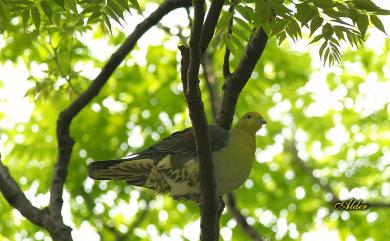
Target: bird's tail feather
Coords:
[[135, 172]]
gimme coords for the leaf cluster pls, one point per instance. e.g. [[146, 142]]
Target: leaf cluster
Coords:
[[329, 22]]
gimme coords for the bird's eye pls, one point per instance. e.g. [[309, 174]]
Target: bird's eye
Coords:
[[248, 116]]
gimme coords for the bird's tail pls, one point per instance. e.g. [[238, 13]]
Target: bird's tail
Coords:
[[135, 172]]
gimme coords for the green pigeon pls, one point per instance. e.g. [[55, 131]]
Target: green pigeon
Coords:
[[171, 166]]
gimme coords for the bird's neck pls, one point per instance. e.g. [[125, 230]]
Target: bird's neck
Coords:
[[246, 142], [237, 130]]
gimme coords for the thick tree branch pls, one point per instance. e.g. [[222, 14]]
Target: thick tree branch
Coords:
[[226, 63], [209, 220], [231, 202], [16, 198], [184, 65], [235, 82], [325, 185], [65, 141], [210, 23]]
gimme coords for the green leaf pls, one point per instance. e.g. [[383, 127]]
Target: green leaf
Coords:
[[277, 26], [36, 17], [218, 36], [315, 24], [237, 32], [136, 5], [25, 18], [107, 22], [230, 46], [322, 48], [377, 23], [295, 28], [61, 3], [339, 34], [327, 31], [305, 13], [369, 6], [224, 19], [73, 5], [116, 9], [333, 14], [282, 36], [246, 12], [261, 10], [362, 23], [47, 10], [334, 41], [112, 15], [267, 29], [318, 37], [324, 3], [92, 9], [94, 17], [237, 42], [279, 8], [243, 24], [124, 4], [327, 51], [331, 59]]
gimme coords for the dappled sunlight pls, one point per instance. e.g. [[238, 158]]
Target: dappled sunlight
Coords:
[[327, 135]]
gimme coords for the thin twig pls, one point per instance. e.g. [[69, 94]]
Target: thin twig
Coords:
[[241, 219], [226, 62], [211, 83]]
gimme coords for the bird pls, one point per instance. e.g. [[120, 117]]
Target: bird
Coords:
[[171, 165]]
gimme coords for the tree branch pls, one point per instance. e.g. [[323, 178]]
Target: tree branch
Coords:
[[16, 198], [241, 220], [65, 141], [184, 65], [324, 185], [210, 24], [231, 202], [308, 170], [226, 63], [211, 83], [209, 220], [235, 82]]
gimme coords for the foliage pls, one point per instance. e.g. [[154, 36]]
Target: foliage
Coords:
[[144, 100], [327, 20]]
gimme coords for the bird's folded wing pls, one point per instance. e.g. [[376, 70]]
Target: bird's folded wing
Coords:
[[177, 149]]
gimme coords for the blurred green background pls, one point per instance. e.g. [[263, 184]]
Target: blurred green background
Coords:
[[330, 123]]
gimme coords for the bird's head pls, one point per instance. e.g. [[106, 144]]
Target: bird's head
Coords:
[[251, 122]]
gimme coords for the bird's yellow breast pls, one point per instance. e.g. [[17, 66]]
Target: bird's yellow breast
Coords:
[[232, 164]]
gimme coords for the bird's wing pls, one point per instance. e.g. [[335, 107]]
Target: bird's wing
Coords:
[[181, 147], [175, 150]]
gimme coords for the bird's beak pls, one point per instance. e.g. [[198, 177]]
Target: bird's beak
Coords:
[[262, 121]]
